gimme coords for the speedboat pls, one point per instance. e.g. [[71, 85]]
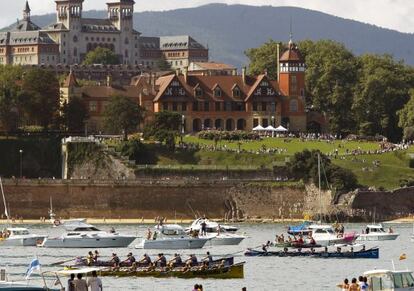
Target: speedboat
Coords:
[[376, 232], [302, 229], [83, 235], [390, 280], [325, 235], [171, 237], [21, 237], [217, 234], [8, 285]]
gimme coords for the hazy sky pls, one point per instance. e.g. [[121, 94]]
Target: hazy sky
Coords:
[[394, 14]]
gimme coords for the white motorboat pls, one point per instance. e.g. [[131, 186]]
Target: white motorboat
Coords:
[[217, 233], [390, 280], [57, 222], [325, 235], [21, 237], [171, 237], [16, 236], [82, 235], [376, 232]]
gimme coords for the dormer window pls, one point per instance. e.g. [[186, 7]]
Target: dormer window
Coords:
[[198, 92], [236, 92], [217, 92]]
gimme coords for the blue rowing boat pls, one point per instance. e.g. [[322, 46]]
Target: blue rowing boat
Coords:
[[362, 254]]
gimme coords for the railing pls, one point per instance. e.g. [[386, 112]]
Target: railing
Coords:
[[202, 167]]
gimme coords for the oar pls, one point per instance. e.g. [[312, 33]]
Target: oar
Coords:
[[62, 262]]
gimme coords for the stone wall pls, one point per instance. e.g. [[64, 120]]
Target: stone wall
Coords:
[[148, 199]]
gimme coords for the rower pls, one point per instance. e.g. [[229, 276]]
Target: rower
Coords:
[[115, 261], [208, 259], [89, 259], [130, 259], [161, 261], [96, 256], [282, 238], [191, 261], [264, 248], [175, 262], [146, 260], [312, 241], [300, 240]]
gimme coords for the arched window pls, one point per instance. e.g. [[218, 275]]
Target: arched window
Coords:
[[217, 92], [293, 105], [126, 40]]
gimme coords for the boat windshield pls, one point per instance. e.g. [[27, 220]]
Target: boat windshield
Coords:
[[86, 229], [20, 232], [381, 283], [403, 280]]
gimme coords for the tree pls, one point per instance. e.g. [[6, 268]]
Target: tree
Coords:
[[382, 90], [163, 65], [9, 92], [406, 114], [165, 128], [74, 114], [330, 79], [123, 115], [40, 96], [101, 56], [264, 58]]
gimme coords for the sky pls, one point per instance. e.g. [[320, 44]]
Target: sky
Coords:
[[393, 14]]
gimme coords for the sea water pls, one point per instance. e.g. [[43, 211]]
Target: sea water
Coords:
[[261, 273]]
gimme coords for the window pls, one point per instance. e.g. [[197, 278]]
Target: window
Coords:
[[206, 106], [165, 106], [265, 122], [228, 106], [273, 106], [184, 106], [93, 106], [217, 92], [254, 106], [293, 83], [236, 92], [218, 106], [264, 106], [195, 106], [174, 106], [293, 105], [198, 92]]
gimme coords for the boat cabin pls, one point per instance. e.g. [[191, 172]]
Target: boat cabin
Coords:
[[170, 229], [18, 231], [375, 228], [385, 280]]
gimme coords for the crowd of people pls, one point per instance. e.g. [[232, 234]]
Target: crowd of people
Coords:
[[356, 285]]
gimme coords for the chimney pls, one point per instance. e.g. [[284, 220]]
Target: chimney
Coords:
[[185, 70], [109, 80], [244, 71]]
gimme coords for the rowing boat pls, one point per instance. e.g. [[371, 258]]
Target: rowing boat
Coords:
[[235, 271], [363, 254]]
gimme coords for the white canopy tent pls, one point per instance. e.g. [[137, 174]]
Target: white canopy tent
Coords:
[[270, 128], [281, 129], [259, 128]]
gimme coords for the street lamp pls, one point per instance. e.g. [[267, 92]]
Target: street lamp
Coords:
[[21, 163], [182, 127]]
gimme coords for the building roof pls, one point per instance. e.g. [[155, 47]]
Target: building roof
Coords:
[[147, 42], [292, 54], [70, 80], [208, 83], [55, 26], [108, 92], [31, 37], [24, 25], [179, 42], [213, 66], [98, 25]]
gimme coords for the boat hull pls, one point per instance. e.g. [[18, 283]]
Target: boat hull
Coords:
[[31, 241], [89, 242], [376, 237], [231, 272], [366, 254], [173, 244]]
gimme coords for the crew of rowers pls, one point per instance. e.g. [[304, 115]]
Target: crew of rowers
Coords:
[[160, 262], [280, 239]]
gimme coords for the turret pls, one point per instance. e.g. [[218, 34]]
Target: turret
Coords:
[[26, 11], [69, 11]]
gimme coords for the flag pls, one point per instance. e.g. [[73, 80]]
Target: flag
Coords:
[[34, 265]]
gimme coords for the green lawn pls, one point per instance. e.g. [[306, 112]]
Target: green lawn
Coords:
[[291, 145]]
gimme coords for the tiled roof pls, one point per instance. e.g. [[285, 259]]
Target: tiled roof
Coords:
[[214, 66], [179, 42], [209, 83], [98, 25], [55, 26], [147, 42], [292, 54], [24, 25], [107, 92], [28, 37]]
